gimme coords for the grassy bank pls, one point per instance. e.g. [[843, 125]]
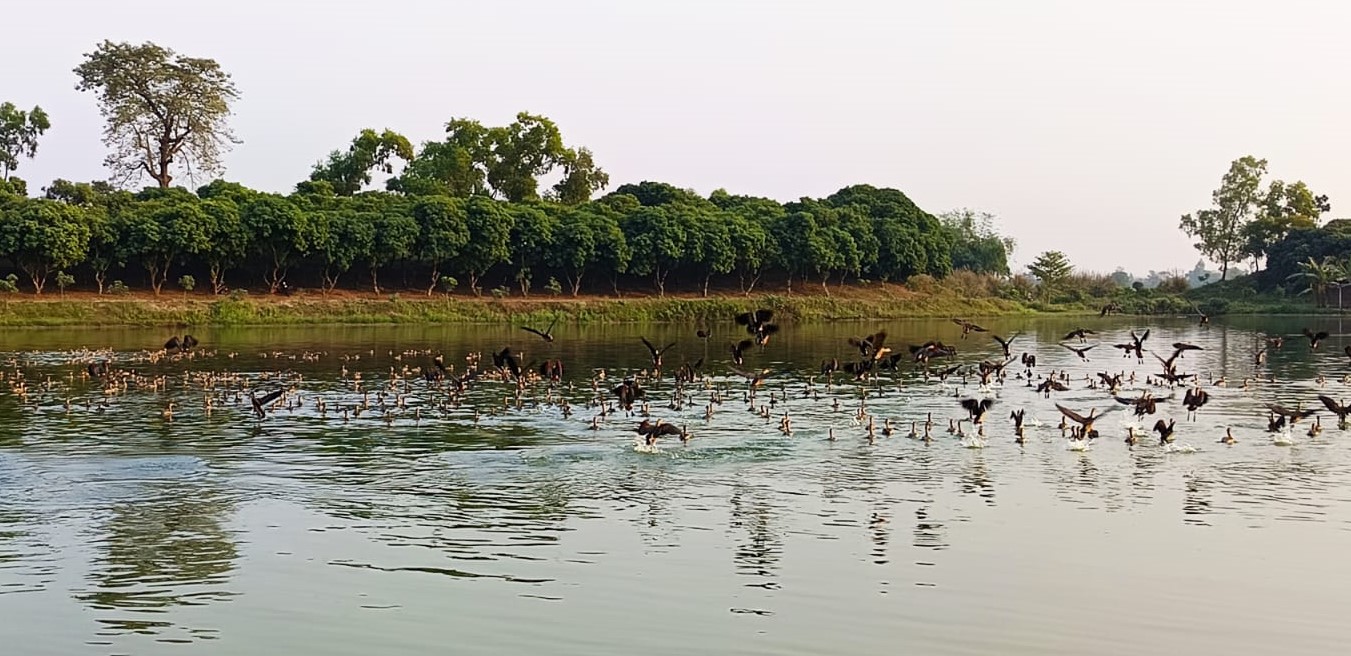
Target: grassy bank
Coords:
[[871, 302]]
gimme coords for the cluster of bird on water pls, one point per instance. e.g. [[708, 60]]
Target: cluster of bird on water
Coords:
[[869, 357]]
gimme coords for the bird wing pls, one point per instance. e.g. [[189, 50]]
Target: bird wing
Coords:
[[532, 330], [744, 344], [1322, 334], [551, 326], [744, 319], [652, 349], [977, 328], [763, 316], [1332, 405], [268, 398], [1071, 414], [971, 405]]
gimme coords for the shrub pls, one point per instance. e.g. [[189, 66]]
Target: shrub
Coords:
[[187, 282], [554, 287], [1173, 285], [9, 284], [922, 283], [64, 280], [500, 292], [448, 284], [119, 288]]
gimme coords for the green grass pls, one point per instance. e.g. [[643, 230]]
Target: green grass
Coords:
[[16, 310], [875, 301]]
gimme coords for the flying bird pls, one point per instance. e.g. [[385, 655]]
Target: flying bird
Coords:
[[656, 352], [547, 335]]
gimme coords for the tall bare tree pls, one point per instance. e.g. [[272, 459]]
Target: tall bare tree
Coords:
[[165, 112]]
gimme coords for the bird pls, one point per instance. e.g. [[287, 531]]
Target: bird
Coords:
[[967, 327], [1029, 360], [1228, 437], [628, 392], [756, 378], [547, 335], [551, 370], [1315, 338], [758, 324], [1339, 409], [869, 345], [1079, 333], [1165, 430], [1294, 415], [172, 344], [977, 408], [1110, 308], [1005, 343], [1194, 399], [1086, 422], [739, 351], [1145, 404], [260, 403], [1081, 352], [508, 362], [656, 352], [1180, 348], [651, 431]]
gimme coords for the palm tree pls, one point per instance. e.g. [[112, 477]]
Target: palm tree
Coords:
[[1318, 276]]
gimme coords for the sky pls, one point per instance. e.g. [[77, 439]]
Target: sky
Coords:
[[1086, 126]]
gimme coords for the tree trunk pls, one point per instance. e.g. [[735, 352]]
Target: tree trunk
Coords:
[[706, 278], [100, 275], [330, 280], [473, 283], [375, 279], [1224, 271], [436, 277], [825, 279], [39, 277], [217, 275], [575, 281], [660, 279], [158, 274]]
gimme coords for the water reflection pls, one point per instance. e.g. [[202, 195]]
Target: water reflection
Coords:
[[167, 549]]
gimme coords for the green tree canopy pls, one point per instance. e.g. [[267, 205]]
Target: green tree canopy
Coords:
[[19, 132], [1051, 269], [1219, 230], [349, 171]]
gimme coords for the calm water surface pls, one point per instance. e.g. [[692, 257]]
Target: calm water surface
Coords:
[[426, 531]]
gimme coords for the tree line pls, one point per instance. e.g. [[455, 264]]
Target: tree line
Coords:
[[468, 206], [647, 231]]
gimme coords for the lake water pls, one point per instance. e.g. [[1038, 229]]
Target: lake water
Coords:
[[426, 530]]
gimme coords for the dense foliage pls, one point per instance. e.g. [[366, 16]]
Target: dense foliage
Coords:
[[650, 234]]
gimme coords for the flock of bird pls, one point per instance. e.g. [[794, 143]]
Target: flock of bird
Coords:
[[979, 389]]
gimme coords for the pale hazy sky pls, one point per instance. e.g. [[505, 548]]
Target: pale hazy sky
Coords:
[[1086, 126]]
